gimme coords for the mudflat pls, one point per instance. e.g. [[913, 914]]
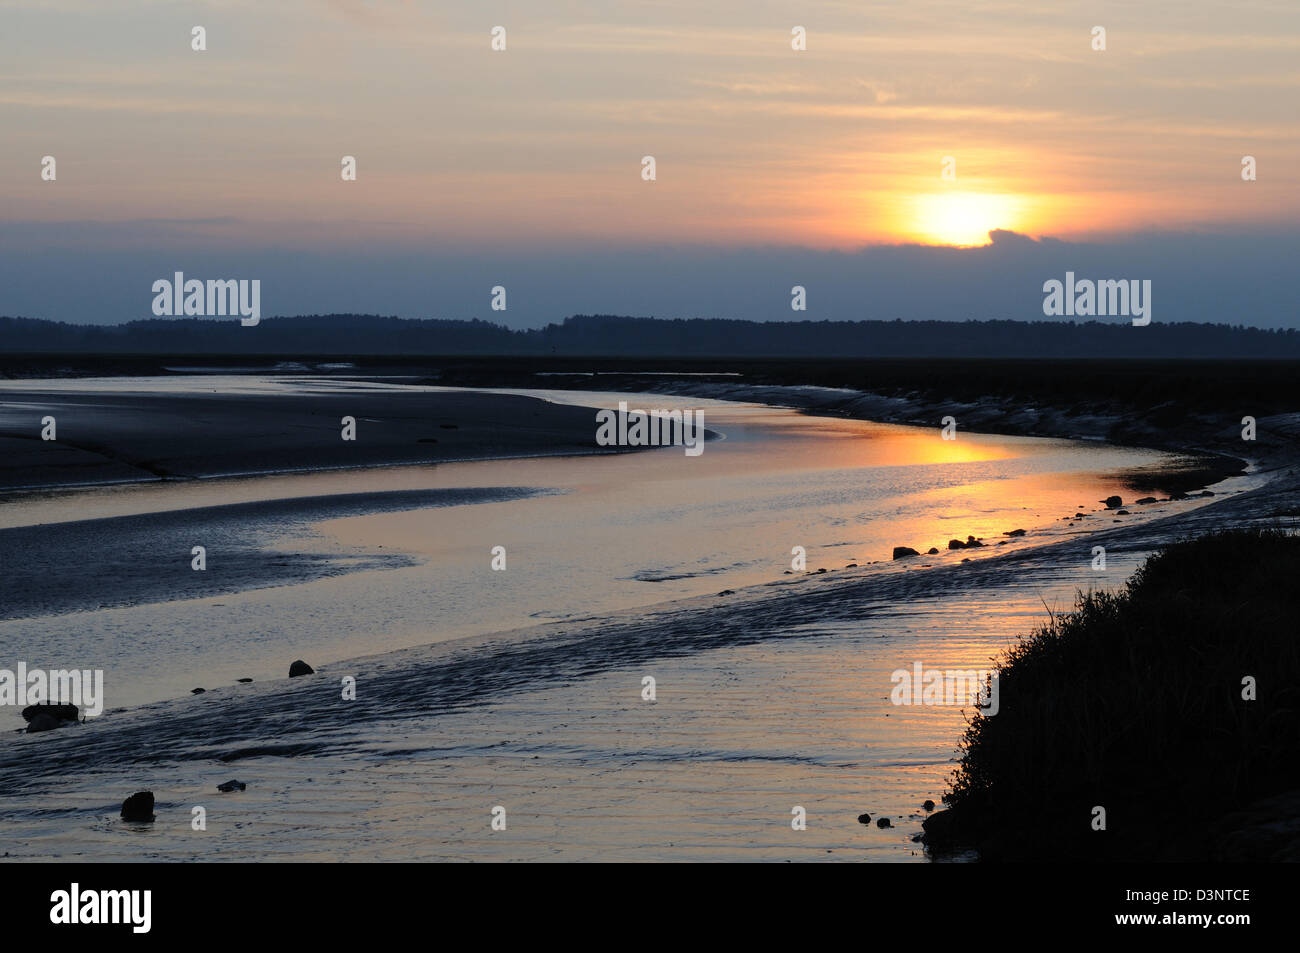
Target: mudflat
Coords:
[[103, 435]]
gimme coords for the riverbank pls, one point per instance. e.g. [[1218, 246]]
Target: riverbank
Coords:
[[1149, 723]]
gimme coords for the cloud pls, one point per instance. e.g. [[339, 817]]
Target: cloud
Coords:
[[1238, 278]]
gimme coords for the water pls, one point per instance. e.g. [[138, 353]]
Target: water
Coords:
[[619, 532], [790, 708]]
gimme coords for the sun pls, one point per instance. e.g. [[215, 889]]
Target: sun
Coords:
[[961, 218]]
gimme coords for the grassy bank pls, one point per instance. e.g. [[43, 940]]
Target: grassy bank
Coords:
[[1134, 703]]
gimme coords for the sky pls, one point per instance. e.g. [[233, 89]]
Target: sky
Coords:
[[869, 167]]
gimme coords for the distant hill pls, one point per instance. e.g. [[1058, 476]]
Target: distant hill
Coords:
[[612, 336]]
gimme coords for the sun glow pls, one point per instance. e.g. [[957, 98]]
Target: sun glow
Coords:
[[962, 218]]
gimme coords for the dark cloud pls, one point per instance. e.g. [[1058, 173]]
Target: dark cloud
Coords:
[[103, 274]]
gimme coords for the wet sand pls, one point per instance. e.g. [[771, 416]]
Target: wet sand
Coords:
[[137, 568], [121, 435]]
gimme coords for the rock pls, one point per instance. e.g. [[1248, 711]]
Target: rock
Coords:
[[43, 722], [1078, 516], [933, 551], [231, 785], [789, 572], [727, 592], [57, 712], [1147, 499], [864, 818], [821, 571], [941, 830], [966, 560], [928, 805], [902, 552], [851, 566], [1122, 513], [244, 681], [300, 668], [197, 691], [1113, 502], [138, 807], [956, 544], [972, 541], [1015, 532], [883, 822], [1206, 493]]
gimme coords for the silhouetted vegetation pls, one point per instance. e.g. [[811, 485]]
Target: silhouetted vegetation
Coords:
[[612, 336], [1134, 703]]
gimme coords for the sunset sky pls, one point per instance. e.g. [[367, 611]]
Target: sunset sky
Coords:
[[527, 162]]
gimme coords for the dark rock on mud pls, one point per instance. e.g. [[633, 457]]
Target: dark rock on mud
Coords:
[[197, 691], [933, 551], [1146, 500], [1113, 502], [1015, 532], [928, 805], [44, 722], [231, 785], [902, 552], [57, 712], [138, 807], [945, 831], [864, 818], [883, 822], [300, 667]]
